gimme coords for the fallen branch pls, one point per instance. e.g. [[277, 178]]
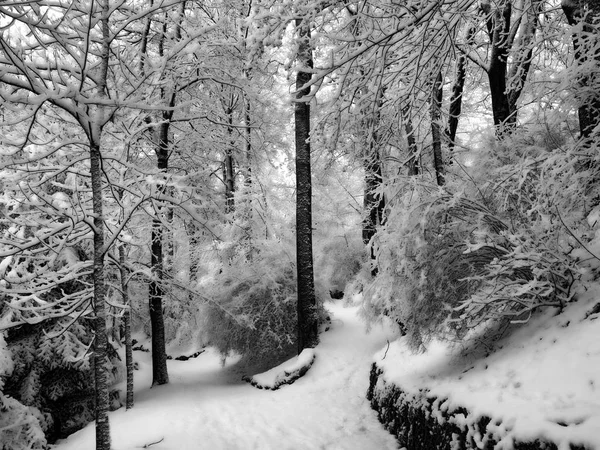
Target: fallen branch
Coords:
[[152, 443]]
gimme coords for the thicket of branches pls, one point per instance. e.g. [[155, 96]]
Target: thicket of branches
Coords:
[[478, 229]]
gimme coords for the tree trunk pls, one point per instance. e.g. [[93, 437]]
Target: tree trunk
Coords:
[[374, 202], [127, 326], [247, 209], [498, 29], [455, 109], [413, 152], [248, 144], [160, 373], [436, 135], [101, 362], [229, 175], [194, 258], [524, 54], [585, 47], [159, 353], [100, 339], [306, 307]]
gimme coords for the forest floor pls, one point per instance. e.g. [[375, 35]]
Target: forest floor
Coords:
[[208, 406]]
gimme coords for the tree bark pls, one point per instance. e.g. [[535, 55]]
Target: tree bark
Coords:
[[498, 28], [374, 202], [99, 305], [127, 326], [524, 54], [159, 353], [101, 361], [585, 48], [229, 175], [455, 108], [435, 112], [247, 208], [159, 262], [306, 307], [248, 144], [413, 152]]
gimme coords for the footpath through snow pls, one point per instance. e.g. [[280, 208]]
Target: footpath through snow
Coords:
[[207, 406]]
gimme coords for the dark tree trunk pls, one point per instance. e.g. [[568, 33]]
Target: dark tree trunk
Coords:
[[229, 175], [413, 152], [524, 54], [306, 308], [248, 143], [374, 201], [436, 135], [159, 259], [99, 304], [127, 326], [498, 28], [585, 47], [159, 353], [455, 108], [247, 206]]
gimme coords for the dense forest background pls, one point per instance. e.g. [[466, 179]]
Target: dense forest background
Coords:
[[211, 172]]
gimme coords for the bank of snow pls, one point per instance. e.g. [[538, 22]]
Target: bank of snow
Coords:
[[285, 373], [541, 383], [208, 406]]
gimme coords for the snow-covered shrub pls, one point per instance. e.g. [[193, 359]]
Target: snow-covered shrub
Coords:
[[53, 372], [424, 268], [452, 258], [19, 425], [338, 260], [252, 304], [183, 324]]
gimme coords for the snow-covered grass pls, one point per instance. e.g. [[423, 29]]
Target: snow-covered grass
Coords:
[[542, 381], [208, 406]]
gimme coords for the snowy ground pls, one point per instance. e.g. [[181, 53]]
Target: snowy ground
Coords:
[[208, 407], [543, 381]]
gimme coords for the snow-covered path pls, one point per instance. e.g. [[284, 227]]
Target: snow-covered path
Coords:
[[204, 407]]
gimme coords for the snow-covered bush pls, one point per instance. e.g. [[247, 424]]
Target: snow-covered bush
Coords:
[[252, 307], [338, 260], [53, 373], [19, 425], [475, 251]]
